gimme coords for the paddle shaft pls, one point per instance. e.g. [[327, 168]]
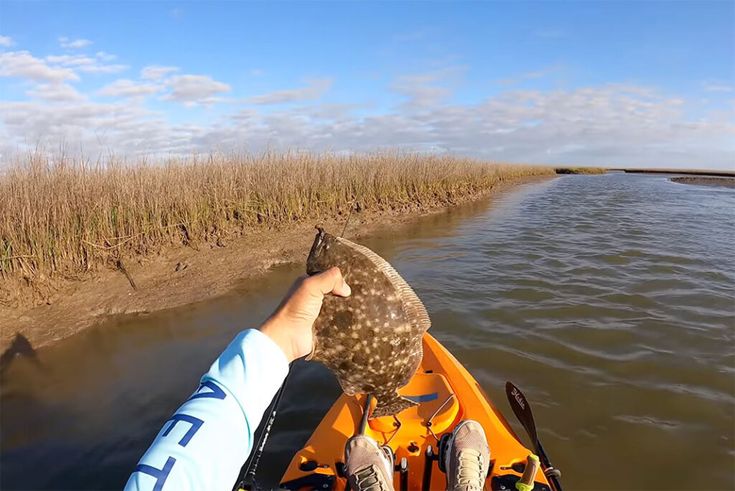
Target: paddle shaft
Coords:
[[546, 464], [522, 409]]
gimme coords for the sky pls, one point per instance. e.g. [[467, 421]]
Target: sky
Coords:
[[628, 84]]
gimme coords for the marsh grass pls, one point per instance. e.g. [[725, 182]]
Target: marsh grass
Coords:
[[580, 170], [66, 217]]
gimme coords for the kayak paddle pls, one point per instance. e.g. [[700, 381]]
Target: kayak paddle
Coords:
[[522, 409]]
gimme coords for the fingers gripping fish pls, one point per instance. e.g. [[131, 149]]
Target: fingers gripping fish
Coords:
[[372, 339]]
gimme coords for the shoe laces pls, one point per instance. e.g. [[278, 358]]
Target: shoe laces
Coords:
[[469, 473], [368, 479]]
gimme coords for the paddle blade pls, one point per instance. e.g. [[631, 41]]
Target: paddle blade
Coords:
[[522, 410]]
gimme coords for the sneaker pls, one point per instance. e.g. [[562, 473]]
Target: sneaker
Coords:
[[368, 466], [467, 457]]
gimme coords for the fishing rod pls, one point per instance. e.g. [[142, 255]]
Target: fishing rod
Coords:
[[522, 409], [246, 481], [364, 418]]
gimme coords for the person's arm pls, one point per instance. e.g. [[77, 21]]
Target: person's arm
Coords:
[[204, 444]]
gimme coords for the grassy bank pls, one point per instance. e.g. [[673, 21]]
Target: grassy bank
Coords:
[[65, 218], [728, 182], [580, 170], [693, 172]]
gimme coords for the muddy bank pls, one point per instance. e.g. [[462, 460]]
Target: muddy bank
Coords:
[[186, 275], [728, 182]]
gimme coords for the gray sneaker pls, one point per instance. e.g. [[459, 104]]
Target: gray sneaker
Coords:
[[467, 457], [368, 466]]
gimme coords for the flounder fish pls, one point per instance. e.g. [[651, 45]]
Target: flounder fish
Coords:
[[372, 339]]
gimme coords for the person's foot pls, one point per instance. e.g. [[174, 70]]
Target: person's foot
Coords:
[[368, 466], [467, 457]]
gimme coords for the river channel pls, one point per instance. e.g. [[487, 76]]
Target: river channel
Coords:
[[608, 299]]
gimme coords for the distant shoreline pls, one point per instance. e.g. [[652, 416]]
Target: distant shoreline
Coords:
[[694, 172], [728, 182]]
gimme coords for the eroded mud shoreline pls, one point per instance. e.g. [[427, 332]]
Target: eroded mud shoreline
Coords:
[[186, 275]]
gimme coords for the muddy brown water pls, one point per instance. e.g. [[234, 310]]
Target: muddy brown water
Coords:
[[608, 299]]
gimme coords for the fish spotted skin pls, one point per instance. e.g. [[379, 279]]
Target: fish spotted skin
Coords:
[[371, 340]]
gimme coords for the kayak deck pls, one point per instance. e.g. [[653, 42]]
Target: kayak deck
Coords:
[[446, 394]]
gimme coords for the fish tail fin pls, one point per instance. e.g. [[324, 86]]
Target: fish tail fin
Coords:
[[390, 404]]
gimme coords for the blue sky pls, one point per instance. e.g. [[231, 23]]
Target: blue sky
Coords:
[[644, 83]]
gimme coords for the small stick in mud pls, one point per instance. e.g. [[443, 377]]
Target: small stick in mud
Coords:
[[349, 215], [121, 267]]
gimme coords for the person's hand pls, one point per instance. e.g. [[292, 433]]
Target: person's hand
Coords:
[[290, 326]]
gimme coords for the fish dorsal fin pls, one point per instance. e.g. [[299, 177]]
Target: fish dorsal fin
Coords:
[[412, 305]]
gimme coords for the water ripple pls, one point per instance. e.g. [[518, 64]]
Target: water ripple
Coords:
[[615, 293], [607, 299]]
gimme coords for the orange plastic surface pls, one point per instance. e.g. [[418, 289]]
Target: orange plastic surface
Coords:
[[438, 404], [458, 397]]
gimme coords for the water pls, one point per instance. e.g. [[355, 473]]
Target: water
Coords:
[[607, 299]]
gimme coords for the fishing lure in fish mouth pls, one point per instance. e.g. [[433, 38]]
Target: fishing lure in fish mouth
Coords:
[[371, 340]]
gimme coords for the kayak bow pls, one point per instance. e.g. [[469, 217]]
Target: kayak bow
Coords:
[[446, 394]]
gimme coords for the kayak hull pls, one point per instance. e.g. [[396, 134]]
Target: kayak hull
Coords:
[[446, 394]]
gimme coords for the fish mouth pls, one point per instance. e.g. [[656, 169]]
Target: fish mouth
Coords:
[[311, 267]]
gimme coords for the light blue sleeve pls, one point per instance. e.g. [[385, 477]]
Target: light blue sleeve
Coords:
[[204, 444]]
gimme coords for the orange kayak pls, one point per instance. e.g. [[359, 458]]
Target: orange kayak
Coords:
[[446, 394]]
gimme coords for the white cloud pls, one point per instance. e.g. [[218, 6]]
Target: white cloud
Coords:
[[425, 90], [195, 89], [103, 56], [56, 92], [101, 68], [67, 43], [532, 75], [620, 125], [606, 125], [420, 91], [24, 65], [70, 60], [717, 86], [87, 64], [91, 127], [314, 90], [157, 72], [129, 88], [6, 41]]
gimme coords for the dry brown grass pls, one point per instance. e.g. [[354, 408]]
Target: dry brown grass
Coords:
[[580, 170], [66, 218]]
